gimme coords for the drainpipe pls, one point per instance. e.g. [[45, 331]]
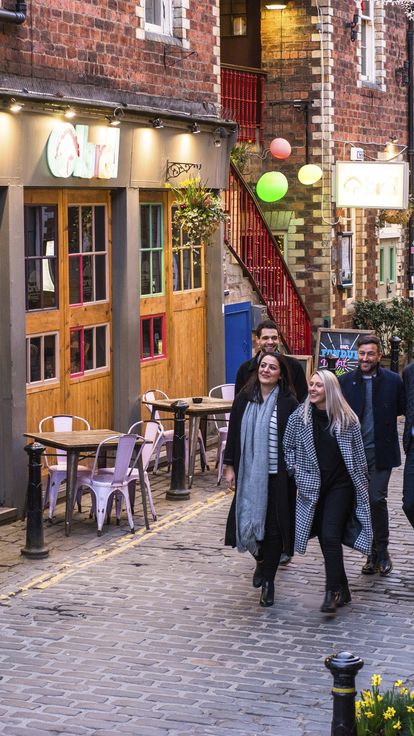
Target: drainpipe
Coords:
[[410, 59], [17, 16]]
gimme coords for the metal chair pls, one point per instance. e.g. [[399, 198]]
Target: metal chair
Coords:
[[222, 391], [57, 472]]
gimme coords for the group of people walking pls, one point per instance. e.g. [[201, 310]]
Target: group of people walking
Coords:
[[314, 460]]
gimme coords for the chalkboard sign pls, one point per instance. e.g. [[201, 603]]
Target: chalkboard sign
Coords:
[[339, 344]]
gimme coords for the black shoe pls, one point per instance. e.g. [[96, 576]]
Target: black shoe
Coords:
[[371, 565], [330, 602], [284, 559], [258, 575], [344, 596], [267, 596], [384, 565]]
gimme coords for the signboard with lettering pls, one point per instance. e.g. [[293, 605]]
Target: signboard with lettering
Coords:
[[70, 152], [378, 184], [338, 344]]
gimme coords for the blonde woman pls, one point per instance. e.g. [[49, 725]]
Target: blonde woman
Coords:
[[324, 451]]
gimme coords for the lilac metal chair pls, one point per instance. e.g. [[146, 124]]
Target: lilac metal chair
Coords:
[[57, 471], [223, 391]]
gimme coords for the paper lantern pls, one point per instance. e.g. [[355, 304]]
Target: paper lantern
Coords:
[[272, 186], [280, 148], [309, 174]]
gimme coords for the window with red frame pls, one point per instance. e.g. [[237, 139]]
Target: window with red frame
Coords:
[[88, 254], [88, 349], [153, 337]]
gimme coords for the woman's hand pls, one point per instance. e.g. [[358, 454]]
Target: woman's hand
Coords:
[[230, 477]]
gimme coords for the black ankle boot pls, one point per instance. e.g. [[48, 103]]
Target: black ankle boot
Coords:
[[344, 596], [330, 602], [258, 574], [267, 596]]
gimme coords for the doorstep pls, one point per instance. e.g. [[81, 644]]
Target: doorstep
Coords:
[[7, 514]]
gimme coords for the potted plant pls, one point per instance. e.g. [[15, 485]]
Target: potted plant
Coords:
[[389, 713], [394, 217], [199, 211]]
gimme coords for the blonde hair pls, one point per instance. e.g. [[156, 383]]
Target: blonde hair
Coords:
[[340, 414]]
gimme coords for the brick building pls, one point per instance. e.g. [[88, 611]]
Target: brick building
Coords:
[[103, 104]]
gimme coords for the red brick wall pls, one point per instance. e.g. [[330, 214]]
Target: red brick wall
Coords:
[[85, 41]]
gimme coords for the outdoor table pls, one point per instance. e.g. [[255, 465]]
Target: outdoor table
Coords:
[[75, 443], [195, 412]]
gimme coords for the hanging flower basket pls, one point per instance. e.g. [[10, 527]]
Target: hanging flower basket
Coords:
[[395, 217], [199, 211]]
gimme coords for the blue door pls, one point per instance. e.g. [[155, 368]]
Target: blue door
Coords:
[[238, 334]]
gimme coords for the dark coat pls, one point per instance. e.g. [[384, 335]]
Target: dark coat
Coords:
[[388, 402], [296, 371], [286, 493], [408, 379]]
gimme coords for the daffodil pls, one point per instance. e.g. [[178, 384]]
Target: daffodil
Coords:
[[397, 726], [410, 709], [380, 697], [389, 713], [369, 714], [376, 680], [398, 683], [403, 691]]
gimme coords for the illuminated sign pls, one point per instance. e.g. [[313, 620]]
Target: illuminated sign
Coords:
[[69, 152], [372, 184]]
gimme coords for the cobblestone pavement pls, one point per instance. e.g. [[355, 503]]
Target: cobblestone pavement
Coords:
[[161, 634]]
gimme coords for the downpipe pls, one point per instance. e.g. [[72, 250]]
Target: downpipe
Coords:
[[17, 16]]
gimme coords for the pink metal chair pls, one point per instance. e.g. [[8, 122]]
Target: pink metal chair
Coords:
[[223, 391], [104, 482], [57, 471]]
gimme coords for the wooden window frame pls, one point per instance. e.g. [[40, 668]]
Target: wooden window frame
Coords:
[[368, 50], [152, 250], [89, 254], [91, 371], [153, 356], [43, 381], [42, 260], [233, 17]]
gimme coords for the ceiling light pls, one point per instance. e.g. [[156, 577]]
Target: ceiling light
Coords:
[[195, 128], [70, 113], [15, 106], [157, 123], [275, 6]]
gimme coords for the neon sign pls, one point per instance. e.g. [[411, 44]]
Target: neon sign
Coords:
[[70, 153]]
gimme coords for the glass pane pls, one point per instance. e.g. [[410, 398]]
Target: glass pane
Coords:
[[153, 12], [100, 278], [197, 255], [88, 349], [35, 359], [145, 228], [100, 338], [156, 272], [49, 347], [74, 280], [100, 239], [145, 272], [146, 341], [157, 331], [239, 25], [87, 238], [32, 244], [176, 271], [73, 229], [33, 284], [75, 352], [186, 269], [156, 219], [87, 279], [49, 266]]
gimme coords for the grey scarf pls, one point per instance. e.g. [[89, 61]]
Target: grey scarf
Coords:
[[253, 476]]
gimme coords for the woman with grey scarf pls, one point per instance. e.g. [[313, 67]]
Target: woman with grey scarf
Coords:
[[262, 515]]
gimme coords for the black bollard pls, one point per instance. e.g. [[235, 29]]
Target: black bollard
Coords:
[[331, 363], [344, 667], [34, 519], [178, 486], [395, 353]]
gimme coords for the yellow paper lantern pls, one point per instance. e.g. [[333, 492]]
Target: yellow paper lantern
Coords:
[[309, 174]]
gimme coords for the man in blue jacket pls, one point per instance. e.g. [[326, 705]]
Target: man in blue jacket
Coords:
[[377, 397]]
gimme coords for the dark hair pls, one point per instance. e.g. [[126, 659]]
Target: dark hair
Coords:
[[252, 387], [369, 339], [267, 324]]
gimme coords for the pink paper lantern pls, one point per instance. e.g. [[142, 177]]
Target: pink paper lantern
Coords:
[[280, 148]]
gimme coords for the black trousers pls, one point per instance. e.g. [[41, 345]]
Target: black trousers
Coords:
[[272, 546], [332, 512], [378, 492]]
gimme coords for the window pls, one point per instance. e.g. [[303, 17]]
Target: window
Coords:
[[152, 249], [41, 257], [187, 262], [158, 16], [42, 358], [382, 266], [87, 254], [344, 259], [153, 337], [233, 17], [368, 41], [88, 349]]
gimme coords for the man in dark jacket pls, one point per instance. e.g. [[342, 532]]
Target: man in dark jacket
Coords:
[[267, 341], [377, 397]]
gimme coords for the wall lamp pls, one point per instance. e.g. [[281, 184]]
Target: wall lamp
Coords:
[[70, 113], [15, 106], [353, 25], [194, 128], [157, 123], [275, 6], [218, 135], [115, 119]]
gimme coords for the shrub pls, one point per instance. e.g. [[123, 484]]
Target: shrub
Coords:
[[386, 320]]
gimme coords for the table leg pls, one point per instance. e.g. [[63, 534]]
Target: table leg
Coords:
[[143, 490], [194, 430], [71, 483], [178, 489]]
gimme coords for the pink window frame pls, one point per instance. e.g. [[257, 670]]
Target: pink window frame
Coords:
[[150, 318]]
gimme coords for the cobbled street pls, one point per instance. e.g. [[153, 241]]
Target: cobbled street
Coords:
[[161, 634]]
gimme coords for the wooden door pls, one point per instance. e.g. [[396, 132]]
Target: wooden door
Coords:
[[68, 305]]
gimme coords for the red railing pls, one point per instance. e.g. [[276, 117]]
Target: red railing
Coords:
[[250, 240], [242, 100]]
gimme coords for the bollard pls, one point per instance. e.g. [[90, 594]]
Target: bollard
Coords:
[[395, 353], [34, 519], [344, 667], [178, 486], [331, 363]]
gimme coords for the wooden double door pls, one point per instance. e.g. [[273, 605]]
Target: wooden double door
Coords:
[[68, 305]]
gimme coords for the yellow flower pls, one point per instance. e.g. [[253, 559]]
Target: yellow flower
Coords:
[[380, 697], [398, 683], [403, 691], [389, 713], [376, 680], [397, 726], [410, 709], [367, 696], [369, 714], [412, 694]]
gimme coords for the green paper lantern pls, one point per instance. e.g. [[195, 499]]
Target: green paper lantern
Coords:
[[309, 174], [272, 186]]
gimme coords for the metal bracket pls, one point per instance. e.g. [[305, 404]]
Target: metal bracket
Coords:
[[175, 168], [184, 55]]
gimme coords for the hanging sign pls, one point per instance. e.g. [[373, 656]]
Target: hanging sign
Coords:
[[381, 185], [69, 152]]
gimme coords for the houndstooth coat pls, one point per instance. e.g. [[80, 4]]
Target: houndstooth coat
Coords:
[[301, 460]]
